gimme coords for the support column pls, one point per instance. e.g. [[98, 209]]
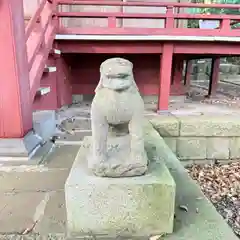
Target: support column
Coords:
[[177, 88], [15, 104], [214, 76], [165, 76], [187, 76], [177, 71]]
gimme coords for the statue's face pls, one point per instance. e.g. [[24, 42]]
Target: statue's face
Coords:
[[117, 77], [117, 82]]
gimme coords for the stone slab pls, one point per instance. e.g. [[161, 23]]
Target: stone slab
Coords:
[[172, 143], [201, 221], [18, 209], [208, 126], [192, 147], [112, 207], [44, 124], [74, 136], [234, 148], [54, 217], [218, 148], [30, 179], [19, 147], [34, 146], [77, 98], [167, 125], [77, 123]]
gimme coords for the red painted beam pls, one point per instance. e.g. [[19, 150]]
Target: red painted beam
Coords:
[[15, 103], [150, 31], [207, 48], [140, 47], [146, 4], [120, 47], [146, 15]]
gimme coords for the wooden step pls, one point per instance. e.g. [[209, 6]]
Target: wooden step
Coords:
[[43, 91], [49, 69]]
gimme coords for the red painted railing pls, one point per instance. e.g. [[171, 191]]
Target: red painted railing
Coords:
[[170, 17], [40, 33], [43, 26]]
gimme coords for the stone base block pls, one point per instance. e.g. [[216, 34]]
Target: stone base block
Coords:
[[44, 124], [27, 150], [125, 207], [34, 146]]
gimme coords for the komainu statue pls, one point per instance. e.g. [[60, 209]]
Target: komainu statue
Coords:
[[117, 108]]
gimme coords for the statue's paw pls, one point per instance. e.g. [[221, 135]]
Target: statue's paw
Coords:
[[100, 168]]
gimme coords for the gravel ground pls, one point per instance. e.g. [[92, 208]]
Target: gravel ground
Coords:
[[221, 184]]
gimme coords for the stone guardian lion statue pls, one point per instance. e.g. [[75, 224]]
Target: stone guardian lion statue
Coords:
[[117, 103]]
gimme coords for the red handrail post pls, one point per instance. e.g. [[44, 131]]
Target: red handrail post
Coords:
[[112, 22], [169, 18], [15, 104], [55, 13], [225, 24]]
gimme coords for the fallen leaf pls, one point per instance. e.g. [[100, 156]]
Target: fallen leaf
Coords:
[[156, 237], [29, 229], [183, 207]]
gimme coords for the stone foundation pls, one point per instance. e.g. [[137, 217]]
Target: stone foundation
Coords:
[[114, 207], [200, 137], [201, 70]]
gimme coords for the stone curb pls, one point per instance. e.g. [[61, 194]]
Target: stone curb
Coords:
[[201, 221]]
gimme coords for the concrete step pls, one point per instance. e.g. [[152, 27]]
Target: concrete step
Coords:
[[72, 138], [49, 69], [76, 123]]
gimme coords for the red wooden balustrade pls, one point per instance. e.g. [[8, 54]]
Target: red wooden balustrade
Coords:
[[42, 27], [169, 17], [40, 34]]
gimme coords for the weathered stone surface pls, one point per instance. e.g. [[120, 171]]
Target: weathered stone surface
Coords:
[[44, 123], [205, 223], [77, 98], [166, 125], [117, 105], [172, 143], [226, 126], [119, 162], [234, 147], [192, 148], [218, 148], [136, 206], [225, 67]]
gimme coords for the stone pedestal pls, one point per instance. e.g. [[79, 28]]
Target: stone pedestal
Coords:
[[111, 207]]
